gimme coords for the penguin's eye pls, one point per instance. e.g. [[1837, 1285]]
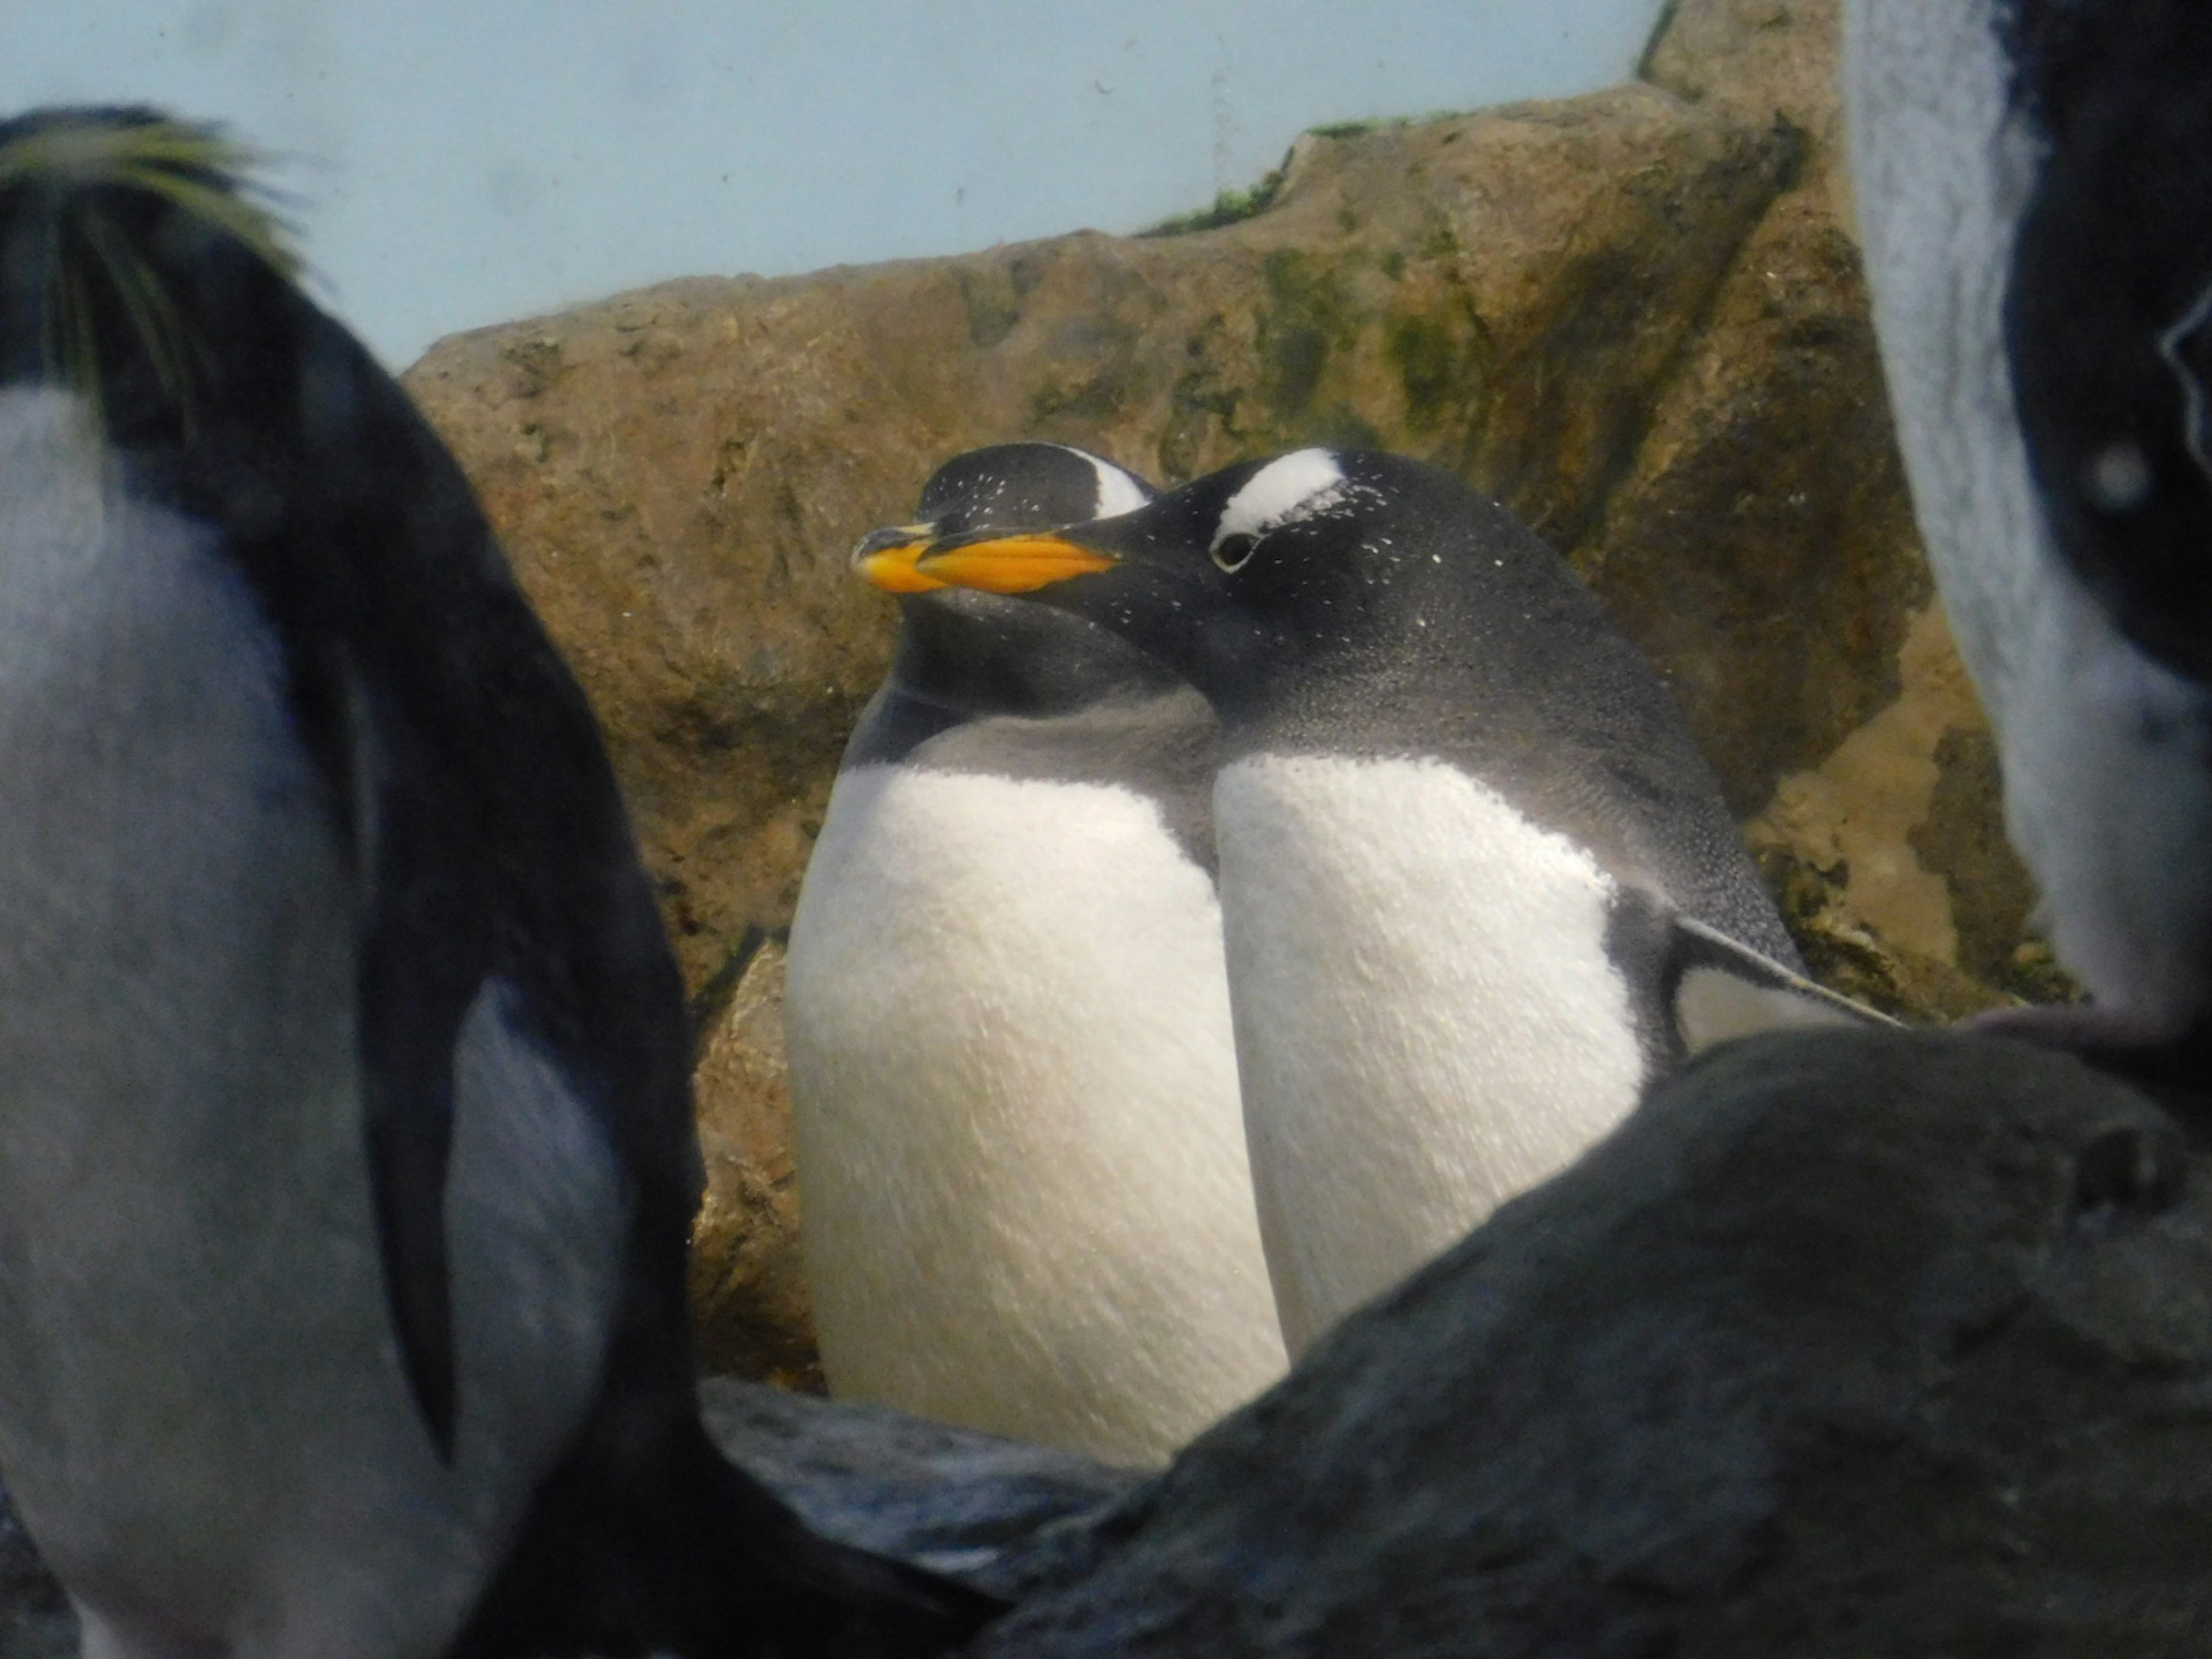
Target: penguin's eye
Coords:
[[2117, 478], [1230, 551]]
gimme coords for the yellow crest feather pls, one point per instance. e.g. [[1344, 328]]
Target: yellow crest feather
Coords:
[[198, 171]]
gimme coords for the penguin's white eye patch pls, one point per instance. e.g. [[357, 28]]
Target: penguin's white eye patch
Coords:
[[1229, 551], [1287, 490]]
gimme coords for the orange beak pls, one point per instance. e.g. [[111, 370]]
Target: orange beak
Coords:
[[886, 558], [1010, 564]]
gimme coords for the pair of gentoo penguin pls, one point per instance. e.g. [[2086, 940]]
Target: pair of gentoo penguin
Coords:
[[346, 1155], [2034, 187], [1478, 885]]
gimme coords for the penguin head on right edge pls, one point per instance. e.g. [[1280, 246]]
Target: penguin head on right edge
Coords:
[[1241, 579]]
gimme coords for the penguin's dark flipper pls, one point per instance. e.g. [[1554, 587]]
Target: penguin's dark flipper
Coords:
[[410, 1146], [1716, 989]]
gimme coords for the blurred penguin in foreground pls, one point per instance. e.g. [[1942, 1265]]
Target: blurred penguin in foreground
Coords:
[[346, 1156], [2034, 189]]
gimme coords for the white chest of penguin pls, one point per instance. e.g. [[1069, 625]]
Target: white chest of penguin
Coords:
[[1427, 1019], [1020, 1147]]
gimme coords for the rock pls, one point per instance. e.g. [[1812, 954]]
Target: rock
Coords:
[[986, 1510], [677, 473], [1840, 762], [749, 1297], [1847, 1343], [1756, 60], [970, 1505]]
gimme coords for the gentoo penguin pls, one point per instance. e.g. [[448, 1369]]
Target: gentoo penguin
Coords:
[[2034, 183], [1020, 1143], [1458, 817], [346, 1160]]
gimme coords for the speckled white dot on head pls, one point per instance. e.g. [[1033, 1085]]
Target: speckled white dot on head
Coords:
[[1289, 488], [1118, 493]]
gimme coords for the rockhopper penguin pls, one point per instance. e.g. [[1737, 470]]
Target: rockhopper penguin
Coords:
[[1478, 884], [2035, 184], [346, 1156], [1021, 1149]]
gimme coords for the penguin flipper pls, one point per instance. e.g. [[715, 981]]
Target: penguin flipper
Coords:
[[407, 1069], [407, 1155], [424, 956], [1717, 989]]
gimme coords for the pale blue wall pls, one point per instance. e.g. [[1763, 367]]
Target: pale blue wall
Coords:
[[465, 161]]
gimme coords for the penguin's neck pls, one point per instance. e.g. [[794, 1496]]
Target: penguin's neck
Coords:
[[979, 654]]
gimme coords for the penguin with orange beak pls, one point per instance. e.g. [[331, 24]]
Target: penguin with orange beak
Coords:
[[1020, 1138], [1478, 885]]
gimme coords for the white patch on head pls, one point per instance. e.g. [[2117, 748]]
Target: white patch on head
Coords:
[[1427, 1018], [203, 1416], [1020, 1139], [1118, 492], [1291, 488]]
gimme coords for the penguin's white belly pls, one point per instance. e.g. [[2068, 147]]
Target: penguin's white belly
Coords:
[[1021, 1151], [1427, 1019], [2106, 796], [202, 1418]]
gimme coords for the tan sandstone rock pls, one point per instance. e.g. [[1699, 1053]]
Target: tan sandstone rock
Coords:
[[677, 473], [748, 1284], [1860, 757], [1636, 317]]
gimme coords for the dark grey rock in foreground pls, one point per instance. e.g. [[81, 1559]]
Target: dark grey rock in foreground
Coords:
[[1848, 1344], [949, 1497], [974, 1506]]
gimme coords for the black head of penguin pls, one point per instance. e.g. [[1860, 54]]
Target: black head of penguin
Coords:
[[1341, 601], [2108, 305], [465, 783], [966, 655]]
